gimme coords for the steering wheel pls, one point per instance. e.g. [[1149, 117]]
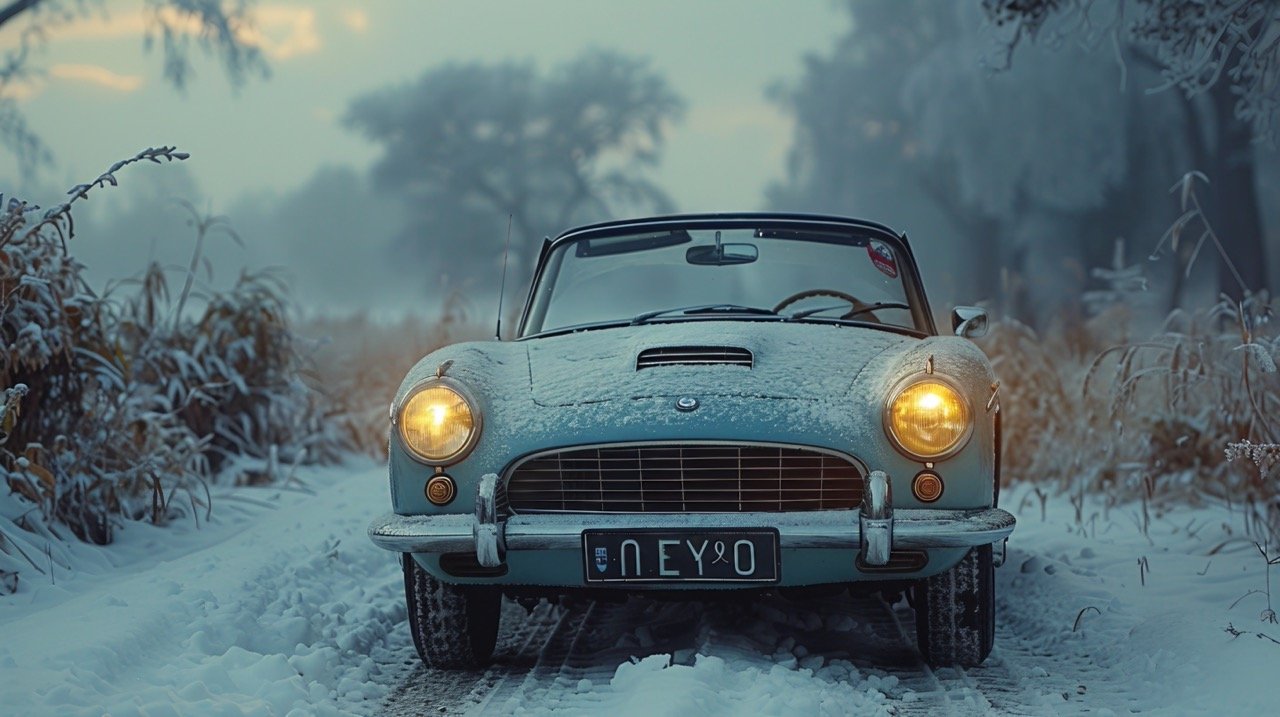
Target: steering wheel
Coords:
[[856, 306], [854, 302]]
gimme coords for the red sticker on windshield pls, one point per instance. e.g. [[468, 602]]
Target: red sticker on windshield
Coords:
[[882, 256]]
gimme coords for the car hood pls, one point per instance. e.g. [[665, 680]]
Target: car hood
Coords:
[[788, 360], [820, 385]]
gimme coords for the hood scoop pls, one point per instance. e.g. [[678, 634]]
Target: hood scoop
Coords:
[[694, 356]]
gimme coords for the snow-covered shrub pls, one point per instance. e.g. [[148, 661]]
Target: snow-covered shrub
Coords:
[[1090, 408], [1208, 380], [230, 374], [1045, 418], [79, 443], [1189, 412], [1266, 456], [127, 405]]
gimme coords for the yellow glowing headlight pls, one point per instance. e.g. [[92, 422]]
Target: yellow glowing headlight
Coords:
[[437, 424], [928, 419]]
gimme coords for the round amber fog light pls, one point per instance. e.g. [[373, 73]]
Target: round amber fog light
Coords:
[[440, 489], [927, 487]]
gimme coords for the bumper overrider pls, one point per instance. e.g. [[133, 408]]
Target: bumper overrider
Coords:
[[878, 530]]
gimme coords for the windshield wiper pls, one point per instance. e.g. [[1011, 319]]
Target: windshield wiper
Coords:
[[851, 313], [705, 309], [810, 312]]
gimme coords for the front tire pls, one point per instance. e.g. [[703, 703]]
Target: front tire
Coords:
[[454, 627], [956, 612]]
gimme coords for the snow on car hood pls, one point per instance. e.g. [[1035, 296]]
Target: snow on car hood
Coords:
[[820, 385], [792, 360]]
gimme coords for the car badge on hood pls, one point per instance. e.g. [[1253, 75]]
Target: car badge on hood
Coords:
[[686, 404]]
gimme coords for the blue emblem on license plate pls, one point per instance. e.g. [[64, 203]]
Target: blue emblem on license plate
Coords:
[[602, 558]]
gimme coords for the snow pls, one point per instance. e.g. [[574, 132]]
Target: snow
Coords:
[[281, 606], [1153, 609], [601, 365], [263, 611]]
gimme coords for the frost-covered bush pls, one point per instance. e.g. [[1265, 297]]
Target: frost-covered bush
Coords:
[[127, 405], [360, 362], [1090, 408], [1179, 398], [1187, 413], [78, 443], [230, 374], [1048, 434]]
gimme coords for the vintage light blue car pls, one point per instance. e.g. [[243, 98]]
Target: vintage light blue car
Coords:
[[704, 403]]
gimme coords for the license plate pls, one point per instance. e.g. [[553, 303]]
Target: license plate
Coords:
[[651, 556]]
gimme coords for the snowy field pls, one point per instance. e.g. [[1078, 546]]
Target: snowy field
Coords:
[[281, 606]]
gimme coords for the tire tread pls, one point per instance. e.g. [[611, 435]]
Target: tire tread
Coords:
[[453, 627], [955, 612]]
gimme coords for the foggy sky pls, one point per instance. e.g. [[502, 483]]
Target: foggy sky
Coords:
[[275, 159], [103, 98]]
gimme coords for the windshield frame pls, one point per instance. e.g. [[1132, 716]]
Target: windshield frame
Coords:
[[856, 230]]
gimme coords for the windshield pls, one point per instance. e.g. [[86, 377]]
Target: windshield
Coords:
[[678, 275]]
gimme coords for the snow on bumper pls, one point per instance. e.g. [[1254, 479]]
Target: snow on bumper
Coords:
[[875, 529], [813, 529]]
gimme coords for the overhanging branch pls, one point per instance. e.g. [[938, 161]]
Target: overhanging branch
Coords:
[[16, 8]]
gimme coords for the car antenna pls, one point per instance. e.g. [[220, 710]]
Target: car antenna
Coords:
[[502, 287]]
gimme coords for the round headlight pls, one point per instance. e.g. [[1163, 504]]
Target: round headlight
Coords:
[[928, 419], [437, 423]]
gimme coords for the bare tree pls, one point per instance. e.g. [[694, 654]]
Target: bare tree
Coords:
[[469, 145]]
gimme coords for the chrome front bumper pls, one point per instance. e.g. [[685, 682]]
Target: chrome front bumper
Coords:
[[878, 530]]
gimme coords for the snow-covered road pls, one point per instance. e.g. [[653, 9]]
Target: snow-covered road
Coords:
[[289, 610], [264, 611], [665, 658]]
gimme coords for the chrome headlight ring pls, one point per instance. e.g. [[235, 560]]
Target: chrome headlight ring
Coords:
[[901, 387], [477, 421]]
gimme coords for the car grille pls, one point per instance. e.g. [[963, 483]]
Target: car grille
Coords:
[[677, 478], [693, 356]]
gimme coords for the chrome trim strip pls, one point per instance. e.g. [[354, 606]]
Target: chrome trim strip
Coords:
[[833, 529]]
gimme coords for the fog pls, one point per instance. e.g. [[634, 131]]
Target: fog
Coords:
[[382, 180]]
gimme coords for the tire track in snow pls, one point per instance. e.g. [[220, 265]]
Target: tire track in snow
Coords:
[[547, 656], [267, 613], [566, 659], [925, 691], [999, 686], [419, 688], [585, 650]]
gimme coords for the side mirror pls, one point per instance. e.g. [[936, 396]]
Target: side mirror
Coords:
[[969, 321]]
